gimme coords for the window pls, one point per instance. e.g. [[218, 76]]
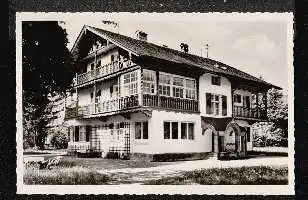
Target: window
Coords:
[[166, 130], [248, 134], [148, 81], [92, 66], [98, 96], [183, 130], [246, 101], [92, 96], [175, 130], [138, 130], [130, 83], [99, 63], [190, 131], [88, 132], [187, 130], [237, 98], [178, 88], [224, 105], [215, 80], [164, 85], [112, 58], [216, 104], [141, 130], [190, 89], [76, 134], [212, 104]]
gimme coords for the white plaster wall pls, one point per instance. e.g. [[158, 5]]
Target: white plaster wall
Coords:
[[205, 86], [84, 97], [200, 143]]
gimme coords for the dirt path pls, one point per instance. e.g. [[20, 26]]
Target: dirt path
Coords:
[[140, 175]]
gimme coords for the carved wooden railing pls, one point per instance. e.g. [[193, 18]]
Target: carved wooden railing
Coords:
[[103, 107], [170, 103], [257, 113], [102, 71]]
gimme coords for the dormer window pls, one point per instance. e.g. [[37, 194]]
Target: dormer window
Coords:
[[216, 80]]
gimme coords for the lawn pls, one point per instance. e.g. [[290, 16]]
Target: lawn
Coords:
[[228, 176], [101, 163]]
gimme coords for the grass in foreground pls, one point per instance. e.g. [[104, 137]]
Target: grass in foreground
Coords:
[[64, 176], [229, 176]]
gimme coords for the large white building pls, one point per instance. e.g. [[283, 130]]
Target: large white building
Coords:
[[132, 98]]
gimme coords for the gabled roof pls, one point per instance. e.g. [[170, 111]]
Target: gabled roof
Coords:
[[144, 48]]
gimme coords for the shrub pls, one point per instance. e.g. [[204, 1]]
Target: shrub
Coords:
[[60, 140], [64, 176], [229, 176]]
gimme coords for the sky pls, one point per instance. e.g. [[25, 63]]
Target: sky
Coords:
[[255, 45]]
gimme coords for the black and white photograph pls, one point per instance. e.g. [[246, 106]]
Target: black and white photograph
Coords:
[[148, 103]]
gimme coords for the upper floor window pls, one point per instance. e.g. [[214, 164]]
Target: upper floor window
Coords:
[[237, 98], [112, 58], [164, 84], [216, 80], [177, 86], [216, 104], [148, 81], [92, 66], [130, 84]]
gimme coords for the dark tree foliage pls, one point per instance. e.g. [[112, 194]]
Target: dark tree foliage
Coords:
[[47, 68]]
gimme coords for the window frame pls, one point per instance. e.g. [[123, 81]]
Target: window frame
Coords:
[[237, 97], [131, 86], [152, 83], [177, 90], [216, 80], [213, 103], [142, 125], [179, 130]]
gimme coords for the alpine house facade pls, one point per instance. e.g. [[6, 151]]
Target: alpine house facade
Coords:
[[132, 98]]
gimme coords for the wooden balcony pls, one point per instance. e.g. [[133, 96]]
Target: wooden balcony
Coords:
[[103, 107], [249, 113], [102, 71], [130, 102], [170, 103]]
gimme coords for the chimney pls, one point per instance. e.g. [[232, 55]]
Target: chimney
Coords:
[[141, 35], [184, 47]]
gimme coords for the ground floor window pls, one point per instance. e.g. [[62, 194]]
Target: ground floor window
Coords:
[[76, 133], [174, 129], [141, 130]]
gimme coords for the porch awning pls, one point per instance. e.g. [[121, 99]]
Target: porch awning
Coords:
[[219, 124]]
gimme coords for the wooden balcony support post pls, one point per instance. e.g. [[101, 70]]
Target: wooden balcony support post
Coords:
[[140, 93], [257, 102], [94, 97], [157, 87]]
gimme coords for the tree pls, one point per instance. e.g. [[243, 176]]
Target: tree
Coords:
[[278, 113], [47, 68], [274, 132]]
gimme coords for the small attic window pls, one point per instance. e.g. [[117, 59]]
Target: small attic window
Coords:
[[223, 67]]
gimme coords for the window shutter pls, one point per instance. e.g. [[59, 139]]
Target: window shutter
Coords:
[[224, 105], [209, 109]]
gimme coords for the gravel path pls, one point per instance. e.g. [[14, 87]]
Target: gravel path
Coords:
[[139, 175]]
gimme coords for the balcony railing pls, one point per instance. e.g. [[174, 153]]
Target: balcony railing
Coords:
[[129, 102], [256, 113], [170, 103], [103, 107], [102, 71]]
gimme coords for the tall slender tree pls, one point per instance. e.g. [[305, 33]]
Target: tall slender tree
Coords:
[[47, 68]]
